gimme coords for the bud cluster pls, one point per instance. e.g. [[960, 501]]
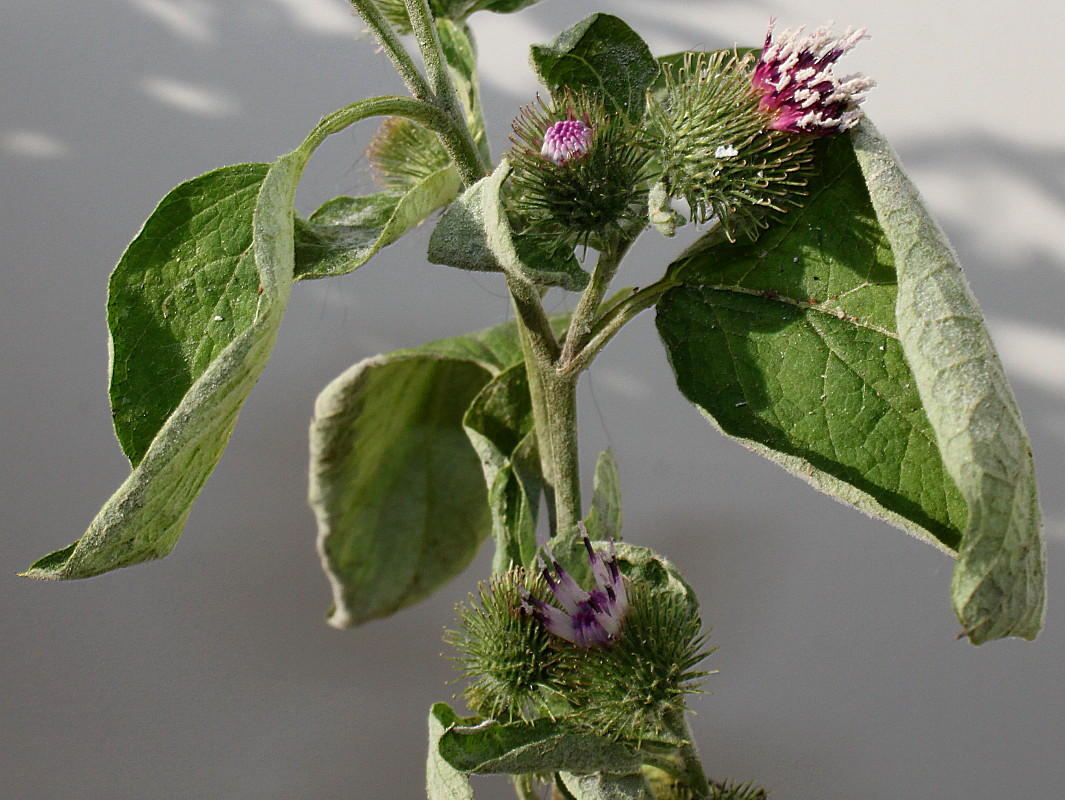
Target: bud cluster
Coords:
[[616, 659]]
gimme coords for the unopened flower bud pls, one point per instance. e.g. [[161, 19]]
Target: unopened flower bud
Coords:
[[566, 140]]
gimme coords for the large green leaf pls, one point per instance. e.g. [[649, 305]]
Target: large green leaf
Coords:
[[396, 487], [790, 345], [603, 55], [145, 517], [346, 232], [198, 244], [516, 748], [475, 234], [185, 288], [999, 584]]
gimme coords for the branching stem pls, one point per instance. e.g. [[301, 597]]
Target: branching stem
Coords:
[[389, 41]]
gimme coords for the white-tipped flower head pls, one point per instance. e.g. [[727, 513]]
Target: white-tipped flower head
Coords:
[[716, 150], [579, 172], [796, 84], [586, 618]]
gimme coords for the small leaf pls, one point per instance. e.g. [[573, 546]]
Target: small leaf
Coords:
[[603, 55], [541, 746], [999, 581], [442, 781], [474, 234], [607, 786], [605, 517], [498, 423], [346, 232], [395, 485]]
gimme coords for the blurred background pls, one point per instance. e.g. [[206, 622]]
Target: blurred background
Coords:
[[211, 674]]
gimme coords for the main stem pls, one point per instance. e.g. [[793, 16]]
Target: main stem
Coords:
[[694, 775]]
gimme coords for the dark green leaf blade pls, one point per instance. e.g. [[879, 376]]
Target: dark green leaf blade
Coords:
[[185, 288], [145, 517], [999, 581], [603, 55], [396, 487]]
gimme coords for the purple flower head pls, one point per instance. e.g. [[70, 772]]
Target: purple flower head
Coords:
[[794, 78], [588, 619], [566, 140]]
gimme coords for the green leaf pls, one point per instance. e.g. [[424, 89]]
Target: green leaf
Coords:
[[790, 345], [502, 6], [542, 746], [607, 786], [346, 232], [185, 288], [499, 424], [603, 55], [474, 234], [396, 487], [999, 581], [442, 781], [145, 517], [605, 517]]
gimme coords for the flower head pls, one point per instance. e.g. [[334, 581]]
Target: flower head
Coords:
[[794, 77], [587, 619], [566, 140], [579, 172]]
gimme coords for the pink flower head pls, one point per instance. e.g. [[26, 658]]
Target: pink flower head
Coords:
[[566, 140], [588, 619], [797, 87]]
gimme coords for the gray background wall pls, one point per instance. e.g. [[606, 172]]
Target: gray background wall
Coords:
[[211, 674]]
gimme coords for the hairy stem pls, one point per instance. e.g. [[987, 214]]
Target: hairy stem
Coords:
[[463, 150], [693, 776], [584, 314], [612, 321], [388, 40]]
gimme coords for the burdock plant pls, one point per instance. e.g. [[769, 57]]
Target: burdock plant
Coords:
[[821, 320]]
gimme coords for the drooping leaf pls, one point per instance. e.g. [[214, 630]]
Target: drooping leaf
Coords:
[[443, 781], [396, 487], [603, 55], [542, 746], [605, 517], [185, 288], [499, 424], [998, 585], [474, 234], [607, 786], [145, 517], [790, 344], [346, 232]]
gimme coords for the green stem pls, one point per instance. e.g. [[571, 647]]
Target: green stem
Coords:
[[465, 153], [525, 786], [560, 398], [584, 314], [694, 776], [615, 318], [389, 41]]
